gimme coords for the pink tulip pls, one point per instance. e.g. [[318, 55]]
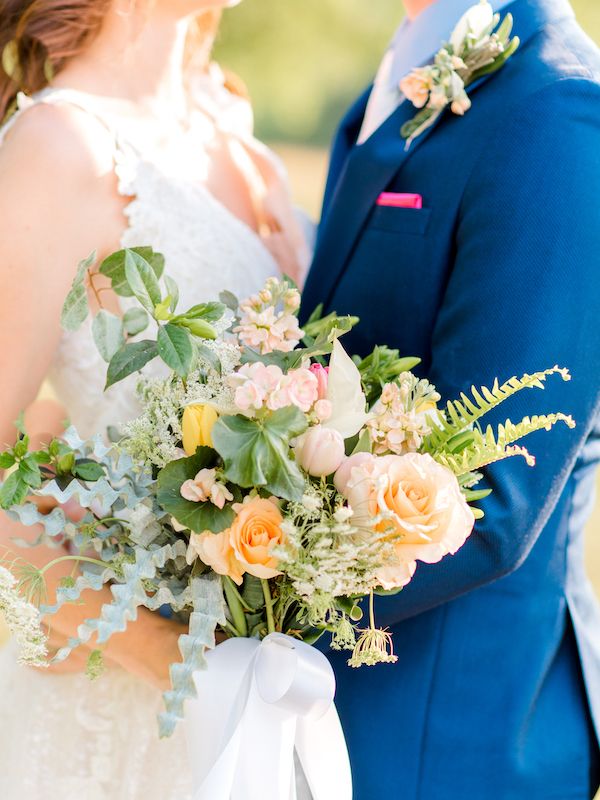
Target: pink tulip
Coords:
[[320, 451]]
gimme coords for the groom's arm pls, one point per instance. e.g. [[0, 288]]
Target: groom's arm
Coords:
[[524, 295]]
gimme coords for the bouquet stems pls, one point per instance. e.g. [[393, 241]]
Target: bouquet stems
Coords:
[[268, 605]]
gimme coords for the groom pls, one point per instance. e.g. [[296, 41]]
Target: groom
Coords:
[[496, 693]]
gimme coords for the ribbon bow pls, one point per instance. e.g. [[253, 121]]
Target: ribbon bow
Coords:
[[258, 703]]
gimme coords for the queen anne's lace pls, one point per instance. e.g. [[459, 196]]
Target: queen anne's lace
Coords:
[[63, 736], [23, 621]]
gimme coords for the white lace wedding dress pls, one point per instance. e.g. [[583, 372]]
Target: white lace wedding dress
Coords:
[[61, 736]]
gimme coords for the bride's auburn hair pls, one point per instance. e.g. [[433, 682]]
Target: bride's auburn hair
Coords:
[[39, 37]]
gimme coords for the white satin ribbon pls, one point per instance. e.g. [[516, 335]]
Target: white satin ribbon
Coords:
[[258, 702]]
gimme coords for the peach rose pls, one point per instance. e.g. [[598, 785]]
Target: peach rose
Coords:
[[419, 503], [215, 550], [254, 533]]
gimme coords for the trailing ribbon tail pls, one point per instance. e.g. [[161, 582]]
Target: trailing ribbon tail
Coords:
[[258, 703]]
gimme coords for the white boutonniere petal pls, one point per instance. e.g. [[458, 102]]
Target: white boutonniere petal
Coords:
[[475, 23], [478, 46]]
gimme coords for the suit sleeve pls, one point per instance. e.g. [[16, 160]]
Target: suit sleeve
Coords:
[[524, 295]]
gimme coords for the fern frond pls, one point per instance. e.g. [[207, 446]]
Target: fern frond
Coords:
[[463, 413], [509, 432], [480, 454], [491, 446]]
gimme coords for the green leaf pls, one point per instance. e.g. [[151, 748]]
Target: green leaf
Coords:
[[20, 448], [142, 280], [135, 320], [114, 268], [210, 356], [474, 495], [175, 348], [130, 358], [162, 311], [65, 464], [197, 517], [252, 592], [7, 460], [76, 307], [387, 592], [257, 452], [29, 472], [230, 300], [13, 492], [20, 423], [88, 470], [107, 330], [173, 291], [210, 312]]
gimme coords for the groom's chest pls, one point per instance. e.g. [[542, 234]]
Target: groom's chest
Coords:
[[397, 267]]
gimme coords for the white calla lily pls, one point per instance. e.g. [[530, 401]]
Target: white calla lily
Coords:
[[345, 393], [475, 21]]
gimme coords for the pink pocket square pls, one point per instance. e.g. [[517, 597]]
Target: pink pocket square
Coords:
[[400, 200]]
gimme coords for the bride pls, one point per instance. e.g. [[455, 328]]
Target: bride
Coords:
[[118, 132]]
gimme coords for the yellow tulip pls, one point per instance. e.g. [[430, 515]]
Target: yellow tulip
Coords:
[[197, 425]]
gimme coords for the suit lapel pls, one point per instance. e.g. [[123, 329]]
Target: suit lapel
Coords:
[[370, 167], [344, 142], [366, 172]]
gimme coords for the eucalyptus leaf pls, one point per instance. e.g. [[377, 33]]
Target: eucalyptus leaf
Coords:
[[114, 268], [135, 320], [129, 359], [197, 517], [142, 280], [230, 300], [76, 307], [175, 348], [107, 330], [257, 452]]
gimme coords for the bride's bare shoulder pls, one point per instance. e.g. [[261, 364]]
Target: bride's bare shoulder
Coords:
[[57, 181], [56, 138]]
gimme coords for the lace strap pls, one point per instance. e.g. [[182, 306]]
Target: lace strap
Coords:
[[51, 96]]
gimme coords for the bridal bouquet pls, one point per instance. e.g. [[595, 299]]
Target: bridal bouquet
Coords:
[[270, 484]]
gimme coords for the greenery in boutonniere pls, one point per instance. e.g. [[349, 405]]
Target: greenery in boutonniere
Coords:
[[478, 46]]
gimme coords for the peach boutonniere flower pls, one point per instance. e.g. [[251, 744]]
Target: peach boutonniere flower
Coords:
[[478, 46]]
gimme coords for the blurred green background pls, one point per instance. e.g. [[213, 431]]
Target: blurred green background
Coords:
[[304, 62]]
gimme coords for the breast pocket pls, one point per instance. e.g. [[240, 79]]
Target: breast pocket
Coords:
[[400, 220]]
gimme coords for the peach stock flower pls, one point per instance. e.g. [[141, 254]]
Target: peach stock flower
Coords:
[[254, 533], [418, 504], [416, 87], [205, 486], [215, 550]]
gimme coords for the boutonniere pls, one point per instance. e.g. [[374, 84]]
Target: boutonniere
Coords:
[[478, 46]]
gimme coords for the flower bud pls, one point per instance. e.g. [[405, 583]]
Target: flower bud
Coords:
[[197, 424], [199, 327], [322, 375], [320, 451]]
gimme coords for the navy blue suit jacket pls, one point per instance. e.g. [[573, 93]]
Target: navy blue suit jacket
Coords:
[[497, 687]]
